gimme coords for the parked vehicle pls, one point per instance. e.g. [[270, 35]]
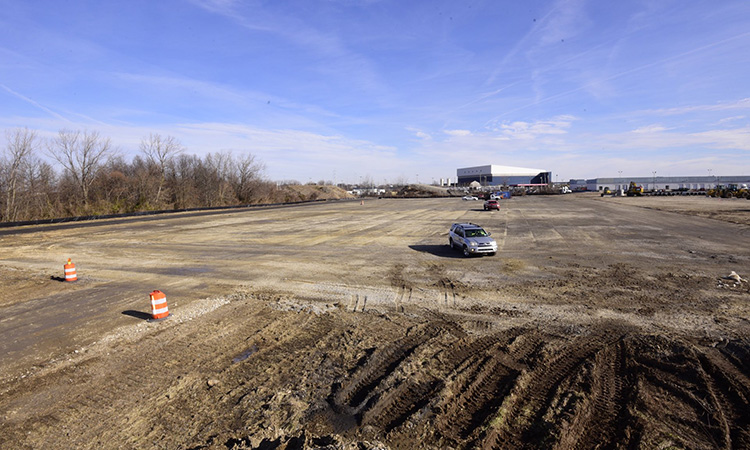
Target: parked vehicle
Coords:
[[469, 197], [616, 193], [471, 239], [729, 191], [634, 190], [491, 204], [500, 195]]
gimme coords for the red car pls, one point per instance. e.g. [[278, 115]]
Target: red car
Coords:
[[491, 204]]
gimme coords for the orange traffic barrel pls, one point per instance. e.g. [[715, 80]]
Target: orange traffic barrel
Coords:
[[70, 271], [159, 309]]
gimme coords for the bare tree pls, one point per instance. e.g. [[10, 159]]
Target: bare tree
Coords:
[[82, 156], [183, 181], [400, 180], [367, 182], [248, 177], [161, 151], [21, 144], [42, 201], [214, 178]]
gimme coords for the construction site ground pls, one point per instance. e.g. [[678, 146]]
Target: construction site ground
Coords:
[[601, 323]]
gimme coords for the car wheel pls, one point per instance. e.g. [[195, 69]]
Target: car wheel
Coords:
[[491, 254], [450, 242], [466, 251]]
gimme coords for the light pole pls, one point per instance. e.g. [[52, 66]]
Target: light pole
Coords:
[[709, 179], [619, 185], [653, 187]]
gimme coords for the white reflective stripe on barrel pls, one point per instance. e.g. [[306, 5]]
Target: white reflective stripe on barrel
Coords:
[[156, 312], [158, 301]]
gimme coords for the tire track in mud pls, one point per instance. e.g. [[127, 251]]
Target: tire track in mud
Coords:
[[730, 392], [396, 406], [476, 393], [439, 386], [403, 296], [523, 410], [378, 366], [449, 292], [598, 414], [523, 388]]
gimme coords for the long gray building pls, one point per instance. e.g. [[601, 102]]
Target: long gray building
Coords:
[[658, 183]]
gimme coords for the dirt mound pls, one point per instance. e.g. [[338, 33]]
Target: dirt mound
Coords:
[[423, 190], [299, 192]]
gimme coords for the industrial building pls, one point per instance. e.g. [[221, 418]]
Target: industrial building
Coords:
[[655, 183], [492, 175]]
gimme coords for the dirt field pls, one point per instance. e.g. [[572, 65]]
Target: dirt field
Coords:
[[601, 323]]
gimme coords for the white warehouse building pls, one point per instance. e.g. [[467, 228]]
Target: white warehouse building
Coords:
[[655, 183], [493, 175]]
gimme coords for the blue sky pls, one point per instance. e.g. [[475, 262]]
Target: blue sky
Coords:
[[391, 90]]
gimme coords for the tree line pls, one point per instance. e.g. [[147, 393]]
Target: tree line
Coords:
[[94, 178]]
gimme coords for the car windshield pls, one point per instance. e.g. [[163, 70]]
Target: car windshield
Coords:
[[476, 233]]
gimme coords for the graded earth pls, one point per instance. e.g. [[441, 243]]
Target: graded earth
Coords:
[[600, 323]]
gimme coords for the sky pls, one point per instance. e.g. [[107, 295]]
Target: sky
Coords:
[[393, 90]]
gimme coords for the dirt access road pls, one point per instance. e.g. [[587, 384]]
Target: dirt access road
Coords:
[[601, 322]]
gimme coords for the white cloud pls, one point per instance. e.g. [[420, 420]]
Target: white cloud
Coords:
[[532, 130], [743, 103], [292, 154], [650, 129], [738, 138], [568, 20], [457, 132], [730, 119], [419, 133], [660, 140]]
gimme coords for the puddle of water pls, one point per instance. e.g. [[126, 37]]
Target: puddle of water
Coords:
[[246, 354], [185, 271]]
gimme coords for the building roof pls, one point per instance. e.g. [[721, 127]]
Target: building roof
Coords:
[[493, 169]]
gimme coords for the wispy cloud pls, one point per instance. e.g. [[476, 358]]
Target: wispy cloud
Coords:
[[457, 132], [291, 153], [730, 119], [336, 59], [34, 103], [741, 104], [418, 133], [650, 129], [530, 130]]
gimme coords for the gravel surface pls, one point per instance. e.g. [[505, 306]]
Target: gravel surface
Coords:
[[601, 322]]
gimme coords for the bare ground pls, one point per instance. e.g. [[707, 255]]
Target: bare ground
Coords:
[[601, 323]]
